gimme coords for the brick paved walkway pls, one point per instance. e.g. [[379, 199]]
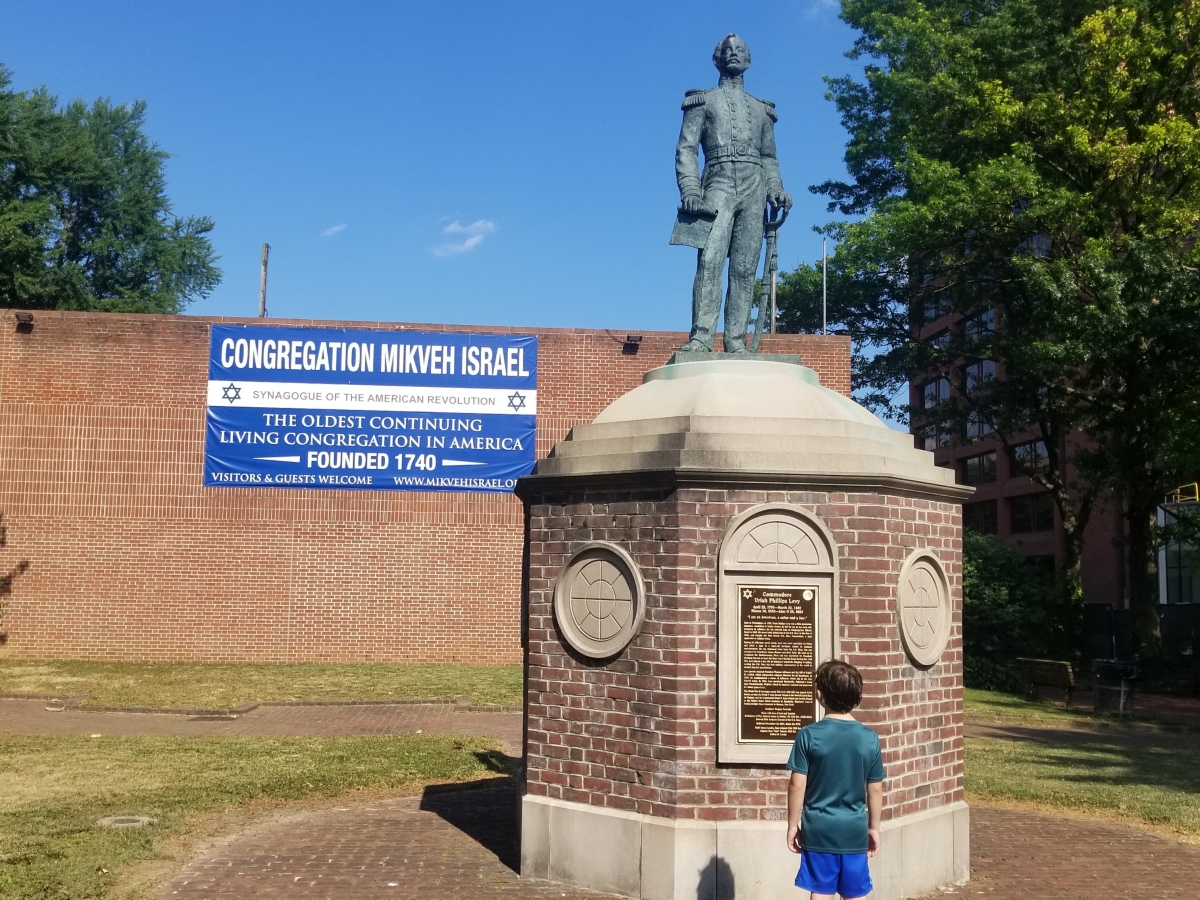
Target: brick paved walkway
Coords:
[[460, 844], [1161, 707], [32, 717], [1120, 738], [1028, 855], [463, 845]]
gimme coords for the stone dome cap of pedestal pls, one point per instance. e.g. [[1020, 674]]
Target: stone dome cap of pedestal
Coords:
[[745, 417]]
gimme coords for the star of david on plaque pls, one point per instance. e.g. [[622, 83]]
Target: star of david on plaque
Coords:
[[231, 392], [516, 401]]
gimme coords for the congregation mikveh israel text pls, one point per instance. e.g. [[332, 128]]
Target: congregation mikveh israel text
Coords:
[[354, 356]]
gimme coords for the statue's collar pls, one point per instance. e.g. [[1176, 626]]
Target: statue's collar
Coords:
[[732, 82]]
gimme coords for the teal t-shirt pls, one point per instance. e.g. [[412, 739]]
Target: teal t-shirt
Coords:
[[839, 756]]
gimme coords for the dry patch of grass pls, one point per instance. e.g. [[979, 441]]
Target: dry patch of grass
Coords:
[[1149, 785], [215, 686], [53, 789]]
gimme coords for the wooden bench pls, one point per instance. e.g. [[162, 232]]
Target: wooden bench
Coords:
[[1055, 673]]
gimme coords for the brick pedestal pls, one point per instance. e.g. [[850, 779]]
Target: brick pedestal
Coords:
[[624, 789]]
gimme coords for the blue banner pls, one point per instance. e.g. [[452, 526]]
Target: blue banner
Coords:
[[369, 410]]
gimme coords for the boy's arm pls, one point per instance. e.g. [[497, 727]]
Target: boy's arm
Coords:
[[874, 815], [796, 789]]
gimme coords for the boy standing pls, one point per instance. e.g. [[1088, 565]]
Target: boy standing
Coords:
[[837, 780]]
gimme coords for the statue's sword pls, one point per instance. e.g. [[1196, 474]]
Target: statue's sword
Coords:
[[773, 218]]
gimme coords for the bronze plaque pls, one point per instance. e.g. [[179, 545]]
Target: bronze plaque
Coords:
[[778, 661]]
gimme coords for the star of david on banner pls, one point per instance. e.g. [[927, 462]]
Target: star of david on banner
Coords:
[[357, 409]]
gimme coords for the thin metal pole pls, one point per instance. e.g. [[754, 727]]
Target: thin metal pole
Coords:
[[772, 301], [824, 281], [262, 285]]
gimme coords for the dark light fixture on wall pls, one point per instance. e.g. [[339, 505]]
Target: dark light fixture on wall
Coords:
[[629, 346], [24, 322]]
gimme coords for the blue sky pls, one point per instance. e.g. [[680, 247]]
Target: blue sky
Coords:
[[483, 163]]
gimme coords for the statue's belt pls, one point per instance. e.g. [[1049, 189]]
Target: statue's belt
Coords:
[[731, 157]]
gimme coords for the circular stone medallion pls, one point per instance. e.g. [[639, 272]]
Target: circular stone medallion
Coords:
[[923, 607], [599, 600]]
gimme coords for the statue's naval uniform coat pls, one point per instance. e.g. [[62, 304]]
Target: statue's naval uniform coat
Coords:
[[737, 133]]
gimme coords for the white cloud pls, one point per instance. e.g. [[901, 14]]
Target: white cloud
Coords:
[[472, 237], [819, 9], [334, 229]]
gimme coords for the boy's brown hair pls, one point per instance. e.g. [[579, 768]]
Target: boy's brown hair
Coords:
[[840, 685]]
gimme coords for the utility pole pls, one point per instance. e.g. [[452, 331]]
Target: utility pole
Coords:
[[262, 285], [824, 259]]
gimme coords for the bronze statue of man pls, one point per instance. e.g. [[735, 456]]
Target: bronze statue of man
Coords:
[[741, 175]]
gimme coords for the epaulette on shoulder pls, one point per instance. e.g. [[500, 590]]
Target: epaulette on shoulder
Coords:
[[768, 105], [692, 99]]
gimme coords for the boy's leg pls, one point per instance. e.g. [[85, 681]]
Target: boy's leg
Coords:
[[854, 880], [819, 874]]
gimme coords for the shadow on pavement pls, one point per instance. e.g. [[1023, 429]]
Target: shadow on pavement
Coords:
[[487, 810]]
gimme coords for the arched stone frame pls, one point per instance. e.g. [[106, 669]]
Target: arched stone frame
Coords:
[[774, 546]]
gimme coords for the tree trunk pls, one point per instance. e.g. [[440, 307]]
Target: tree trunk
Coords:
[[1069, 621], [1142, 556]]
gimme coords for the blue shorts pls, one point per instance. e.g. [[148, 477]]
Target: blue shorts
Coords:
[[834, 873]]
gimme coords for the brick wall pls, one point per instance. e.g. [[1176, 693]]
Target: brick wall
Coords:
[[639, 733], [130, 558]]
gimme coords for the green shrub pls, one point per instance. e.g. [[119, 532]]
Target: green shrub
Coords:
[[985, 675], [1008, 611]]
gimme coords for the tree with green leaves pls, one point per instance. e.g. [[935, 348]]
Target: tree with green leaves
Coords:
[[1005, 613], [85, 222], [1039, 159]]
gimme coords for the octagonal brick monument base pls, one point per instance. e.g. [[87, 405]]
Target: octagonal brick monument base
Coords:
[[637, 778]]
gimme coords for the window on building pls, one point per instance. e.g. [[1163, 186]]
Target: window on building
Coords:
[[1032, 512], [1030, 457], [940, 340], [935, 392], [980, 326], [935, 302], [979, 373], [979, 469], [932, 437], [1181, 560], [978, 427], [980, 517], [1037, 246]]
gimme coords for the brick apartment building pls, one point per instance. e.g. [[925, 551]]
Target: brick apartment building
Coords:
[[1008, 503]]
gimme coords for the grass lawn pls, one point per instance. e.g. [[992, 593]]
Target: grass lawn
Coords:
[[997, 707], [212, 686], [54, 788], [1152, 782], [1131, 772]]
